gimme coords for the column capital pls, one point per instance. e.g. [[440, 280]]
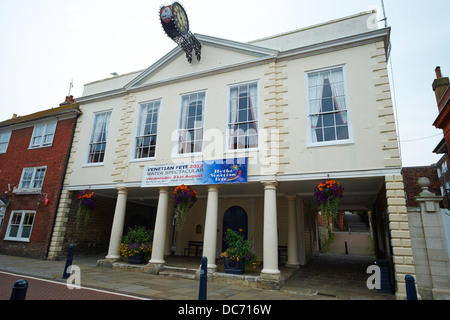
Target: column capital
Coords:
[[122, 189], [213, 187], [291, 197], [164, 189], [269, 183]]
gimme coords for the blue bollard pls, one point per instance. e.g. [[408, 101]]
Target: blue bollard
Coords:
[[69, 260], [411, 293], [19, 290], [203, 279]]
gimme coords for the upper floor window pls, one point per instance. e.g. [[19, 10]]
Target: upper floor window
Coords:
[[4, 141], [147, 130], [99, 135], [190, 124], [328, 112], [31, 180], [243, 116], [20, 225], [43, 135]]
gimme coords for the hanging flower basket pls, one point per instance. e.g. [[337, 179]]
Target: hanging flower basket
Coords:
[[327, 194], [86, 203], [185, 197]]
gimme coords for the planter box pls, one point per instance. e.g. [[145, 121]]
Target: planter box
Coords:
[[234, 267]]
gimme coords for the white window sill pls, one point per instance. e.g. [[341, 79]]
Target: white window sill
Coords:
[[25, 191], [330, 143]]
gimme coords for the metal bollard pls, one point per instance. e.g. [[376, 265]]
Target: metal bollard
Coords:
[[203, 279], [411, 293], [19, 290], [69, 260], [346, 248]]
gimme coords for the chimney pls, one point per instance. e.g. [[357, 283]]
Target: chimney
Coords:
[[440, 84], [69, 100]]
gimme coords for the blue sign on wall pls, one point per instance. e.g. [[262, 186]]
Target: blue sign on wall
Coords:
[[225, 171]]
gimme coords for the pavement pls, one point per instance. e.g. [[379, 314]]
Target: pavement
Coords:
[[330, 276]]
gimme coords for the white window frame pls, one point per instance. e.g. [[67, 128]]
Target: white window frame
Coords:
[[195, 128], [92, 139], [5, 136], [48, 130], [30, 189], [257, 110], [349, 140], [139, 133], [20, 225]]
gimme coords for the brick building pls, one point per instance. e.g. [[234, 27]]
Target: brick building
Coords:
[[34, 151], [441, 87]]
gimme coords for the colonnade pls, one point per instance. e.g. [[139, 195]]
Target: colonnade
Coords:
[[270, 236]]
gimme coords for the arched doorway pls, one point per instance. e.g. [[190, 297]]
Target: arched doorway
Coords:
[[235, 218]]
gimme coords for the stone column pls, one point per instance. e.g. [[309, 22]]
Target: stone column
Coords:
[[117, 227], [292, 261], [159, 237], [301, 232], [270, 274], [210, 235]]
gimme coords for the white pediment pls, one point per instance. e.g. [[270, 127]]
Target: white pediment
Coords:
[[216, 54]]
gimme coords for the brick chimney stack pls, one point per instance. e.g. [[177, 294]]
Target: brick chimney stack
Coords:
[[69, 100], [440, 84]]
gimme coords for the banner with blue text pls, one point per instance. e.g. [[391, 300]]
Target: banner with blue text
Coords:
[[223, 171]]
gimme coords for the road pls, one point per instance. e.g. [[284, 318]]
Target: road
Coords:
[[44, 289]]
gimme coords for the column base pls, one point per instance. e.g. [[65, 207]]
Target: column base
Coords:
[[295, 265], [154, 267], [107, 262], [270, 281]]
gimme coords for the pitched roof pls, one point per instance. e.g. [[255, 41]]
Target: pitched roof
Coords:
[[61, 110]]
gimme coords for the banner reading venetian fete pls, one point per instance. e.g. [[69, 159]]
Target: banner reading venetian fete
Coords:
[[224, 171]]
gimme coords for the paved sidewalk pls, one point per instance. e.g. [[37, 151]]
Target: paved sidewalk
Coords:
[[328, 276]]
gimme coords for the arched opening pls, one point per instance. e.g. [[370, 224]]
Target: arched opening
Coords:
[[235, 218]]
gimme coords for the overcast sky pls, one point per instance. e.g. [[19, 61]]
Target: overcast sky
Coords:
[[45, 44]]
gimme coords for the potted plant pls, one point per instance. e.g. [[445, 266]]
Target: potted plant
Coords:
[[136, 245], [238, 254]]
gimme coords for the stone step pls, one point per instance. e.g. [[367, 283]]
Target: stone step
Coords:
[[179, 272]]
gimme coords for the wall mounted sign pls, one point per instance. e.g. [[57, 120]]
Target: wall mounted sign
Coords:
[[175, 23], [224, 171]]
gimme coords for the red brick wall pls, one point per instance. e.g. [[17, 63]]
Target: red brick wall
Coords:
[[410, 177], [17, 157]]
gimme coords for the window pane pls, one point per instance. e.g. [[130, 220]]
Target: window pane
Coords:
[[243, 120], [327, 106], [98, 138], [191, 118], [13, 230], [26, 230], [147, 130]]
